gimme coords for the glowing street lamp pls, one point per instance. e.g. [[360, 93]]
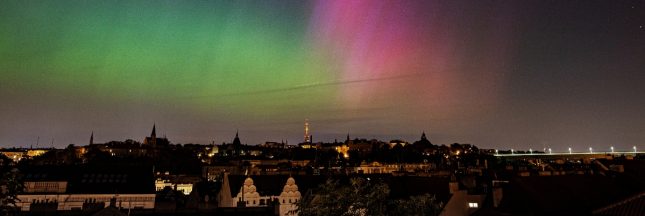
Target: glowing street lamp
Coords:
[[496, 152], [612, 149], [569, 150], [634, 149], [513, 152], [530, 151], [550, 151], [590, 150]]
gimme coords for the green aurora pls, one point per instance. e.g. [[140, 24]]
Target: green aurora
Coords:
[[200, 55], [529, 74]]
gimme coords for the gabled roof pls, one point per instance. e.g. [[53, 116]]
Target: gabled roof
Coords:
[[84, 179], [45, 173], [634, 205], [567, 194]]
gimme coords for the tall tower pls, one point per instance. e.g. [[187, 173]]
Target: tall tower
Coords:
[[236, 140], [307, 137], [153, 136], [92, 138], [237, 145]]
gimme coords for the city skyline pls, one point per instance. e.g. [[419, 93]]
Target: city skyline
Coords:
[[308, 138], [530, 74]]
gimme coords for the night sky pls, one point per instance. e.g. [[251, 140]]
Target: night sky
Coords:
[[497, 74]]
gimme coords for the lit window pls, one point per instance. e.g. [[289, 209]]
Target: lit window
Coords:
[[473, 205]]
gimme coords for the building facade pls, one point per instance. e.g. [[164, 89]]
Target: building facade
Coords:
[[66, 188]]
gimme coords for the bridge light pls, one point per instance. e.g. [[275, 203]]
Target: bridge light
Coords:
[[569, 150], [530, 151]]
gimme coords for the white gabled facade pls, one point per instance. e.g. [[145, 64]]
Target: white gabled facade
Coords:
[[289, 197], [248, 194]]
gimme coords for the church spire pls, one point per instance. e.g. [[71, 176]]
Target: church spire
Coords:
[[237, 141], [92, 138], [154, 133], [153, 136], [424, 140], [237, 145]]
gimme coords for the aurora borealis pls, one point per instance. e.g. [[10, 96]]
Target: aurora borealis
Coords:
[[494, 74]]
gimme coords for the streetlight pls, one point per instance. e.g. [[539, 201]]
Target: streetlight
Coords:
[[550, 151], [612, 149], [569, 150], [512, 152], [530, 151], [634, 149], [590, 150], [496, 152]]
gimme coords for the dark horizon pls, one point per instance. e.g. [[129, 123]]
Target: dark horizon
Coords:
[[575, 148]]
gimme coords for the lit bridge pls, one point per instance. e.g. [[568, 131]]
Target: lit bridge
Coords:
[[572, 154]]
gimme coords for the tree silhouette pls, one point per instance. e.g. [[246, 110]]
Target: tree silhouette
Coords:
[[10, 186], [363, 197]]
